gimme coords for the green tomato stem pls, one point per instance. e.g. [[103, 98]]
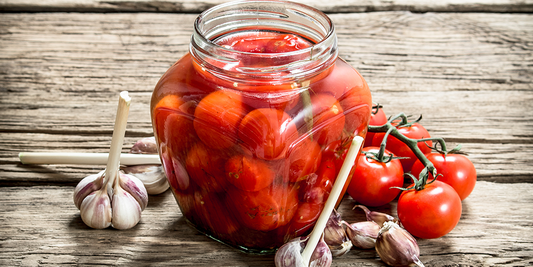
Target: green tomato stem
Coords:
[[390, 129]]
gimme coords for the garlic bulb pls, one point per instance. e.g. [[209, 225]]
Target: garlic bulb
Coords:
[[118, 206], [152, 176], [290, 254], [363, 234], [112, 198], [396, 247], [335, 235]]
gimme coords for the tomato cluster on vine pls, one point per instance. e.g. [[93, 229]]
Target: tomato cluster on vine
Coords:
[[398, 147]]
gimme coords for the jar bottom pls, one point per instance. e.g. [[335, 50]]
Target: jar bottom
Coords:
[[240, 248]]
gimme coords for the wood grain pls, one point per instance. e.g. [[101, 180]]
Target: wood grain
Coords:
[[338, 6], [163, 238], [469, 75]]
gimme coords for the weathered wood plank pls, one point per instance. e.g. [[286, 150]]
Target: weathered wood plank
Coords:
[[194, 6], [41, 226], [470, 76]]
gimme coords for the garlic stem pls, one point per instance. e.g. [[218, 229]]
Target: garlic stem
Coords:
[[349, 161], [85, 158], [118, 137]]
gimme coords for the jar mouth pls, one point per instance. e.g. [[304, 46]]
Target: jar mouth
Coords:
[[263, 15]]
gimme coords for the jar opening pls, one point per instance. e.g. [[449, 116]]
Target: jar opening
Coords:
[[261, 16]]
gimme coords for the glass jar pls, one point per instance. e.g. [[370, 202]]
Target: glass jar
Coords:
[[252, 124]]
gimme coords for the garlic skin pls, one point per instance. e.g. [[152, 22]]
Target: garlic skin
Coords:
[[95, 210], [335, 235], [363, 234], [87, 186], [145, 145], [322, 256], [126, 211], [133, 186], [397, 247], [290, 254], [152, 176], [377, 217]]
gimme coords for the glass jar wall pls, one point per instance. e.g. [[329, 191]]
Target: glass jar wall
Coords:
[[252, 124]]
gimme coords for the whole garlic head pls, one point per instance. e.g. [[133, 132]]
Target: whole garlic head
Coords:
[[118, 205]]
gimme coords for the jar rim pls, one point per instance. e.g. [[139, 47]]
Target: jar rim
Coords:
[[315, 24]]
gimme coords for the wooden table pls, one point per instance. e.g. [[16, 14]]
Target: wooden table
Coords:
[[467, 67]]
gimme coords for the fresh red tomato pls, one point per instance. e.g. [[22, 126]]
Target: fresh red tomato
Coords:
[[431, 212], [267, 133], [304, 159], [266, 209], [377, 118], [305, 218], [455, 169], [372, 180], [248, 174], [217, 118], [205, 166], [328, 118], [400, 149]]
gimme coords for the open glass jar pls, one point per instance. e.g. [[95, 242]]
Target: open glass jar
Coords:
[[252, 124]]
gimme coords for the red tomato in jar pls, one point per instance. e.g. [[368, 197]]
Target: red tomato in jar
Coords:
[[266, 209], [353, 94], [431, 212], [217, 118], [398, 148], [372, 180], [206, 167], [305, 218], [210, 209], [176, 174], [377, 118], [336, 151], [267, 133], [328, 118], [248, 174], [455, 169], [173, 125], [304, 158]]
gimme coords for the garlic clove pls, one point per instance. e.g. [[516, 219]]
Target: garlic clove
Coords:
[[290, 254], [146, 145], [95, 210], [363, 234], [377, 217], [87, 186], [135, 187], [322, 255], [335, 235], [126, 210], [152, 176], [397, 247]]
